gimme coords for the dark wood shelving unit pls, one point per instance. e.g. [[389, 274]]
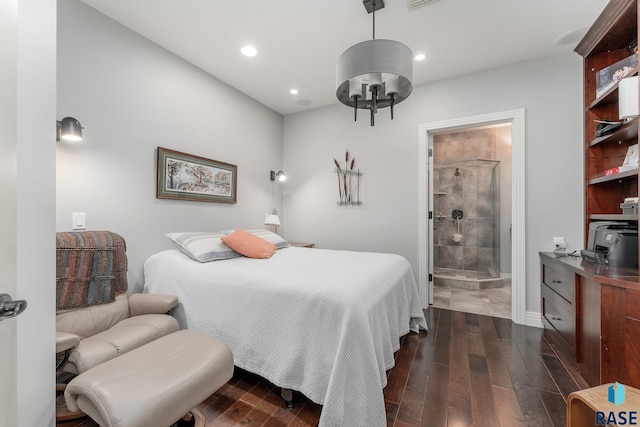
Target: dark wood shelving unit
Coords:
[[595, 308], [613, 37]]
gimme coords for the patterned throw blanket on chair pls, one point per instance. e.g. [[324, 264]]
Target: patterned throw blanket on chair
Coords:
[[91, 268]]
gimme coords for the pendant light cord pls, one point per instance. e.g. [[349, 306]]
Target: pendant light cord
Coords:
[[374, 19]]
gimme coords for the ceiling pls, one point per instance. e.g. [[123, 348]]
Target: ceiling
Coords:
[[299, 41]]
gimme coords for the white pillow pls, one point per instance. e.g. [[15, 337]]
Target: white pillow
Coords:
[[202, 246], [266, 235]]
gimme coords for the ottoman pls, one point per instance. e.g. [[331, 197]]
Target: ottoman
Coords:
[[155, 384]]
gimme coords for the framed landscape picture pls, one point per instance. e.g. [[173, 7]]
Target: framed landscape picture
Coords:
[[183, 176]]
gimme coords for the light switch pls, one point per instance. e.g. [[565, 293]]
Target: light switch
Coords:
[[560, 243], [78, 220]]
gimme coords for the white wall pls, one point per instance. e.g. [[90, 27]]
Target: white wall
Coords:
[[27, 203], [8, 200], [550, 90], [132, 96]]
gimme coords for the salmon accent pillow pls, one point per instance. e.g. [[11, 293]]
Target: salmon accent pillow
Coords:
[[249, 244]]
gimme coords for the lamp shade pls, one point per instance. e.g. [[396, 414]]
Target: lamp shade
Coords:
[[279, 176], [70, 129], [389, 60], [628, 97], [272, 219]]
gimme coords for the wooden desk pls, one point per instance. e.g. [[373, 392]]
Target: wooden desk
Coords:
[[582, 405], [596, 310]]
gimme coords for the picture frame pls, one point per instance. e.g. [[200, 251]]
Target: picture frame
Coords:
[[182, 176]]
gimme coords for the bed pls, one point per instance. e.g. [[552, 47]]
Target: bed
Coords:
[[323, 322]]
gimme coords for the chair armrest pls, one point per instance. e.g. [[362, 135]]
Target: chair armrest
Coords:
[[151, 304], [66, 341]]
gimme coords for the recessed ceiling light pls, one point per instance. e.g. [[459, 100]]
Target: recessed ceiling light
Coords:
[[293, 91], [415, 4], [420, 57], [249, 51], [570, 37]]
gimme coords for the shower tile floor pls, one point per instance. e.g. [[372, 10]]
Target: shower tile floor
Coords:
[[494, 302]]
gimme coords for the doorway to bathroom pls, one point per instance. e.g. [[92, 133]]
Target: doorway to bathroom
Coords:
[[516, 198], [471, 239]]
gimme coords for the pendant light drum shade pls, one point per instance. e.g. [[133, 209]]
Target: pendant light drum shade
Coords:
[[366, 61]]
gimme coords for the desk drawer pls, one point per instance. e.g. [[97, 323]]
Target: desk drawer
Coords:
[[557, 312], [561, 280]]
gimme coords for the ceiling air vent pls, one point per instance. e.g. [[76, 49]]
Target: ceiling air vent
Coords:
[[415, 4]]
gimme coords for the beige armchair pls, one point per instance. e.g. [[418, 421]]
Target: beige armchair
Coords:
[[89, 336], [96, 320], [121, 357]]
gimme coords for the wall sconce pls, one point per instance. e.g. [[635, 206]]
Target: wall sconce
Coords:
[[69, 129], [280, 176], [272, 219], [628, 98]]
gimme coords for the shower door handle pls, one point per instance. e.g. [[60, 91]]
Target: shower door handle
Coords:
[[10, 308]]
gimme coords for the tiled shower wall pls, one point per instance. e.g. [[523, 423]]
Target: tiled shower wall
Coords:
[[476, 192]]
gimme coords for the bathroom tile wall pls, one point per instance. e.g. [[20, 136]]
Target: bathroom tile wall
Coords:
[[470, 186]]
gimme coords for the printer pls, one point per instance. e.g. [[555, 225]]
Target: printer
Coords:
[[614, 243]]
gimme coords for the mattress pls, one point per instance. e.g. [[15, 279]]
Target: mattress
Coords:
[[323, 322]]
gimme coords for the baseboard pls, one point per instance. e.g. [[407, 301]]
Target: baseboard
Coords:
[[533, 319]]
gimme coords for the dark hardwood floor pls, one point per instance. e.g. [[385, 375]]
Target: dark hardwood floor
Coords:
[[468, 370]]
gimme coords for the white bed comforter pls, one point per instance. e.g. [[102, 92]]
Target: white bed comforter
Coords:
[[323, 322]]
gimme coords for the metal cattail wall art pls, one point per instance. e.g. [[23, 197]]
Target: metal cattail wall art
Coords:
[[348, 181]]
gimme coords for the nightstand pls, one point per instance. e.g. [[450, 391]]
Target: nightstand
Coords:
[[302, 245]]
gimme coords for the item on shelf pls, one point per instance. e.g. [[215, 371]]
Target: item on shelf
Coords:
[[619, 169], [609, 76], [628, 98], [632, 155], [629, 208], [606, 127]]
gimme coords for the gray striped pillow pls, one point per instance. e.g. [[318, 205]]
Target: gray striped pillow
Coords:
[[202, 246]]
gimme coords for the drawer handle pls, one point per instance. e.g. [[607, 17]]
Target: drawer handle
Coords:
[[555, 318], [556, 281]]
